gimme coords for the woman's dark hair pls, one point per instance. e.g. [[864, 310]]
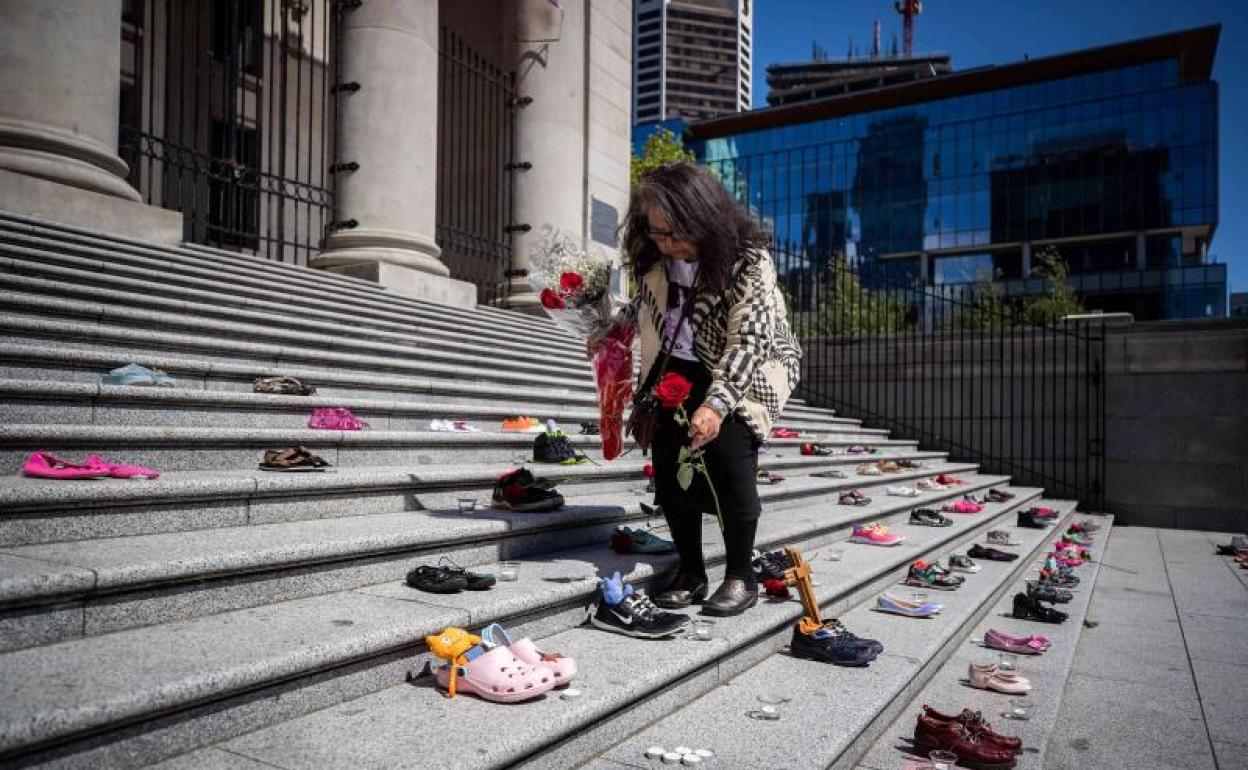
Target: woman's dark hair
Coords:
[[700, 211]]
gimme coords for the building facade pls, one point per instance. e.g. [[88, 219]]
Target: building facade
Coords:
[[431, 146], [691, 58], [1109, 156], [821, 78]]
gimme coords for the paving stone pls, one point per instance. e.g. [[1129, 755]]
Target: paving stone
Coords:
[[1216, 639], [1223, 697]]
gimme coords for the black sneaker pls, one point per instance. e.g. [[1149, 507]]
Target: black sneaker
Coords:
[[554, 446], [518, 491], [832, 643], [637, 616], [1029, 608], [999, 496], [771, 565], [437, 580], [978, 551], [1027, 519], [928, 518]]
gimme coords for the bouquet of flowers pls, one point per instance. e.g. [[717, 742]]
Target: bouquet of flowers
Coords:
[[575, 294]]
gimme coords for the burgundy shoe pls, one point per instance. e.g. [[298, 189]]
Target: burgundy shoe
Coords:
[[974, 721], [974, 750]]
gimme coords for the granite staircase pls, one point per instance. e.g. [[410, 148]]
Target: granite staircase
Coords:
[[221, 616]]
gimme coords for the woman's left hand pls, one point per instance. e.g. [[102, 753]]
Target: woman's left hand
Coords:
[[704, 426]]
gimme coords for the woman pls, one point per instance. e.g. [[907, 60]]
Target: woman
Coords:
[[706, 289]]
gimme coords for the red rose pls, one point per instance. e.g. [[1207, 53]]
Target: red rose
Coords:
[[552, 300], [672, 390], [570, 283], [648, 470]]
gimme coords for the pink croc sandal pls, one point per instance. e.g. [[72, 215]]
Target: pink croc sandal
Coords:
[[122, 471], [499, 676], [563, 667], [44, 465]]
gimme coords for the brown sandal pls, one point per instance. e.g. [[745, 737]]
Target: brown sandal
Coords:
[[292, 459]]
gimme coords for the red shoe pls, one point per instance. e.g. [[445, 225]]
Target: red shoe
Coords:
[[974, 721], [947, 479], [974, 750], [776, 588], [784, 433]]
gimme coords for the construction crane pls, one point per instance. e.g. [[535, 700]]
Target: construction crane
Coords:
[[908, 10]]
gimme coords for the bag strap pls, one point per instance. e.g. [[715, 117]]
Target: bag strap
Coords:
[[665, 355]]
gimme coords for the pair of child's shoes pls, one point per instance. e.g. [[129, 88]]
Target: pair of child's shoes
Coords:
[[493, 667]]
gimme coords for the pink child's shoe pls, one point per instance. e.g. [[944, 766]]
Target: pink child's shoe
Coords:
[[563, 667], [44, 465], [964, 506], [874, 534], [500, 676], [122, 471]]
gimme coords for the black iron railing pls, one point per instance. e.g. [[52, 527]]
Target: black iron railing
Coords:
[[997, 382], [476, 105], [227, 115]]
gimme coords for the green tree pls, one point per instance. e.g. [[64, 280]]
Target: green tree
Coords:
[[661, 147], [1059, 300], [843, 307]]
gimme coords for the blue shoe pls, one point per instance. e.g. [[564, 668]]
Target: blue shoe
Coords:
[[896, 606], [832, 645], [133, 375]]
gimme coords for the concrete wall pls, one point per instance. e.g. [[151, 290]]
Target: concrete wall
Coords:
[[610, 92], [1176, 409], [1177, 424]]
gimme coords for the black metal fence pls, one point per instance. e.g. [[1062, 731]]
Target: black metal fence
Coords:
[[476, 107], [227, 115], [971, 373]]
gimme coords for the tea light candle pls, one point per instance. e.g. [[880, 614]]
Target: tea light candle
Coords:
[[467, 504], [509, 570], [702, 631], [1020, 709], [1008, 661], [655, 752], [943, 760], [835, 554], [704, 753], [690, 759], [671, 758], [682, 750]]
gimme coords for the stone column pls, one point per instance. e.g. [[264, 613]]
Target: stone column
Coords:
[[550, 133], [1141, 253], [60, 95], [1026, 261], [389, 126]]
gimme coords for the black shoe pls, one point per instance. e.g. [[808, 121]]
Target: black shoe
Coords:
[[1028, 608], [998, 496], [682, 591], [518, 491], [771, 565], [978, 551], [733, 597], [637, 616], [438, 580], [589, 428], [1028, 520], [554, 446], [832, 644], [928, 518]]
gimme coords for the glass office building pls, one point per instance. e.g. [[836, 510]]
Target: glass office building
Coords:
[[1107, 155]]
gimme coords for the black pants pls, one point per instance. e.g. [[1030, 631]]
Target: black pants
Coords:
[[731, 462]]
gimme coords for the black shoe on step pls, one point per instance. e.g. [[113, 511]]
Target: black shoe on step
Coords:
[[637, 616], [1028, 520], [928, 518], [682, 591], [1028, 608], [733, 597]]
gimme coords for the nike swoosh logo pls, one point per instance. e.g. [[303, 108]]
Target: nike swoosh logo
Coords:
[[626, 621]]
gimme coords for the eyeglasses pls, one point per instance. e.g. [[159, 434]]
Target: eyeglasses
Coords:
[[666, 235]]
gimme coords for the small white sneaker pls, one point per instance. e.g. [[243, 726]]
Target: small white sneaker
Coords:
[[902, 491]]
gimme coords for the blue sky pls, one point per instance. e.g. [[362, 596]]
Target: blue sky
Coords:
[[979, 32]]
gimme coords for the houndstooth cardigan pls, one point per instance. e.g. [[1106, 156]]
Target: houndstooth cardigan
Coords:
[[742, 336]]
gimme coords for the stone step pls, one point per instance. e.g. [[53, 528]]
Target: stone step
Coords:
[[39, 315], [39, 258], [125, 342], [212, 448], [53, 592], [248, 270], [59, 297], [947, 689], [38, 511], [211, 678], [34, 401], [851, 704]]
